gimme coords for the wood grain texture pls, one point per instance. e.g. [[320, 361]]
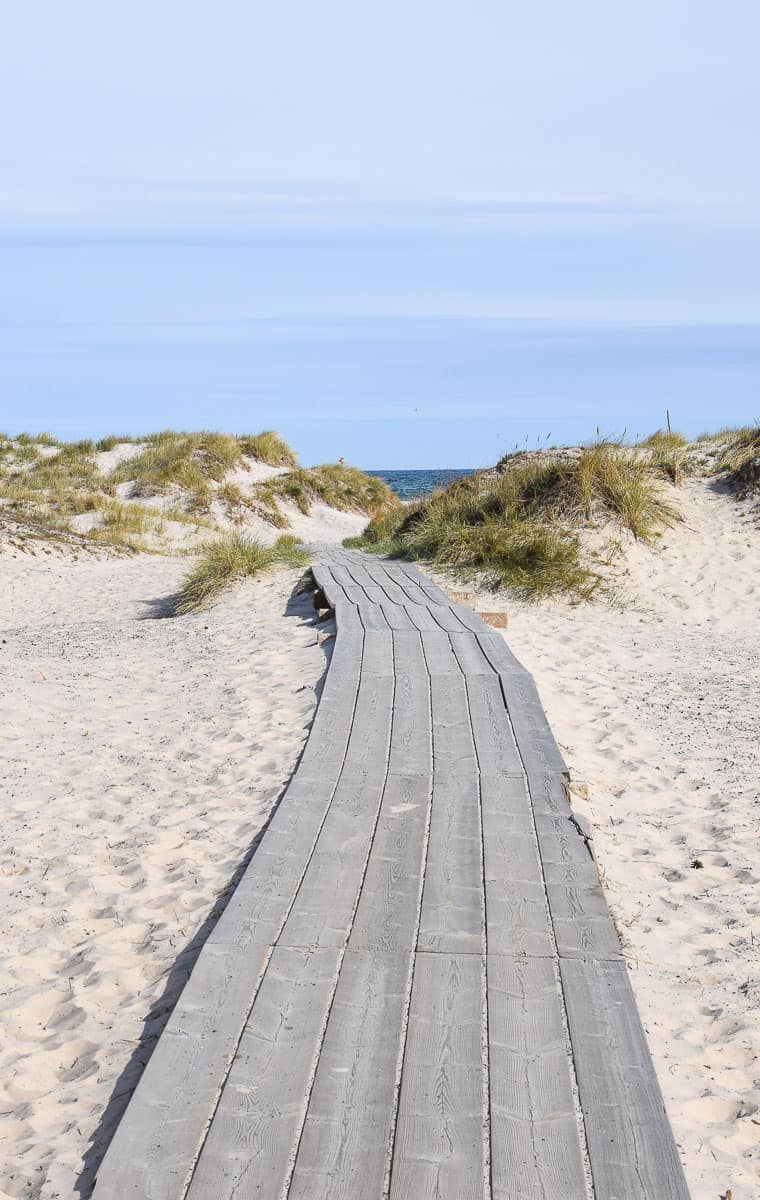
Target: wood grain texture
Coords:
[[163, 1127], [349, 1124], [632, 1151], [535, 1147], [451, 919], [439, 1132], [386, 917], [255, 1128], [516, 908], [498, 753]]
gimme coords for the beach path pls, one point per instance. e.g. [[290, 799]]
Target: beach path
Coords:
[[416, 990]]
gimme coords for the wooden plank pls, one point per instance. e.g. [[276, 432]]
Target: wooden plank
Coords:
[[164, 1124], [453, 748], [538, 748], [431, 590], [253, 1136], [631, 1147], [325, 579], [359, 573], [516, 908], [439, 1152], [386, 917], [397, 616], [323, 910], [388, 587], [469, 653], [422, 618], [411, 736], [378, 653], [497, 751], [498, 653], [349, 1124], [447, 618], [441, 659], [470, 619], [451, 918], [415, 594], [372, 616], [535, 1145]]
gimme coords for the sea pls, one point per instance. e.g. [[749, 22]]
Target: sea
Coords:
[[409, 485]]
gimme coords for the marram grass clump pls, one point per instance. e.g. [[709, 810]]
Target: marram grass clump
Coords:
[[227, 559], [740, 459], [521, 526]]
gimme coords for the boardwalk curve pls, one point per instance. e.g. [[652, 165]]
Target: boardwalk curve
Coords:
[[416, 990]]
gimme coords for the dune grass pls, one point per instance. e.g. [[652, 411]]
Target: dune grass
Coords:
[[268, 447], [739, 459], [227, 559], [520, 527]]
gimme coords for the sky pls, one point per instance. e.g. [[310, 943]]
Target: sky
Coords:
[[407, 235]]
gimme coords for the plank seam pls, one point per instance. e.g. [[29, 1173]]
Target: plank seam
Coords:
[[485, 1049], [391, 1148]]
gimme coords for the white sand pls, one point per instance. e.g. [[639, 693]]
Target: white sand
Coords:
[[144, 754], [657, 710], [141, 756]]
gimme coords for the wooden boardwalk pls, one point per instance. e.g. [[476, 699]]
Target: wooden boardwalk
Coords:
[[416, 990]]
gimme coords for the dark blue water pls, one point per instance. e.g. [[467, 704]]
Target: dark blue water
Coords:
[[411, 484]]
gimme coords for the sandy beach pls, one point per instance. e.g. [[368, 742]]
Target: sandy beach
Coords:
[[142, 757], [144, 754]]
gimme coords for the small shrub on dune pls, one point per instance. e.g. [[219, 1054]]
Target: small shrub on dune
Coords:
[[227, 559]]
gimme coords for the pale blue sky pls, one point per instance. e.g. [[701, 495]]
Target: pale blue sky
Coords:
[[411, 235]]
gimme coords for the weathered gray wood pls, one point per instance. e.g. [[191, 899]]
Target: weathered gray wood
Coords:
[[517, 913], [447, 617], [499, 653], [469, 619], [439, 1151], [451, 919], [163, 1127], [378, 653], [538, 748], [397, 616], [324, 907], [422, 618], [535, 1146], [492, 730], [389, 588], [411, 736], [255, 1128], [372, 616], [469, 653], [349, 1124], [387, 914], [441, 659], [632, 1151]]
